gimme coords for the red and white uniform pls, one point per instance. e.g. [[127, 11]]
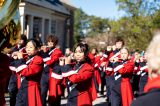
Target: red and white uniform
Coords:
[[80, 84], [124, 71], [55, 90], [30, 73]]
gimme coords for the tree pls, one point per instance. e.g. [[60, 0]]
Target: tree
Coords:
[[80, 23], [137, 26], [86, 25], [97, 25]]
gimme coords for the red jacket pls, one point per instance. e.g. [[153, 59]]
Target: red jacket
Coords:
[[96, 69], [54, 55], [126, 71], [152, 94], [31, 71], [108, 67], [83, 82], [54, 89], [91, 57]]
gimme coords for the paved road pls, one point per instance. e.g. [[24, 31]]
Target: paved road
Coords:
[[100, 101]]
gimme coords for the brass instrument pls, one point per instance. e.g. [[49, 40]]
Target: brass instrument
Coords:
[[9, 22]]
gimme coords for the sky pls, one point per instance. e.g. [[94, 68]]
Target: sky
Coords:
[[100, 8]]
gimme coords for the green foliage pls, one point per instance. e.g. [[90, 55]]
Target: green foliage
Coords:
[[97, 25], [137, 33], [156, 19], [131, 7], [79, 24], [86, 25], [136, 27]]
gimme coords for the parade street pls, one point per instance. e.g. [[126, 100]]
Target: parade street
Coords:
[[100, 101]]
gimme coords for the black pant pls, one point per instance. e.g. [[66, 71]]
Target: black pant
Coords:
[[116, 99], [142, 83], [96, 83], [135, 82], [12, 89], [44, 87], [108, 82], [103, 79]]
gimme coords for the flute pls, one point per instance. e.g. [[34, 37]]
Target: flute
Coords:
[[45, 46], [15, 54], [19, 52], [24, 53]]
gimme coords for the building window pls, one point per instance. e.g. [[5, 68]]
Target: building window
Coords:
[[53, 26], [37, 26]]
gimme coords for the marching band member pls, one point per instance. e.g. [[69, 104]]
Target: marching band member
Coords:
[[113, 52], [102, 63], [95, 63], [14, 82], [79, 78], [121, 90], [19, 47], [49, 76], [108, 51], [151, 94], [143, 73], [30, 72], [136, 76], [116, 49]]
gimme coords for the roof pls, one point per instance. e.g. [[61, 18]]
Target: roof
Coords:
[[54, 5]]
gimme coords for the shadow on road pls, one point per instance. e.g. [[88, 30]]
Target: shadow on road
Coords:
[[102, 104]]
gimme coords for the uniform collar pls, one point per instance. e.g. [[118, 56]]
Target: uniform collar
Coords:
[[79, 64], [29, 57], [152, 84]]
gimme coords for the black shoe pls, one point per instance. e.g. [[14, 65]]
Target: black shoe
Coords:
[[107, 99]]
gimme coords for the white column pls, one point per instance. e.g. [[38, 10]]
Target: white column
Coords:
[[22, 19], [27, 31]]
